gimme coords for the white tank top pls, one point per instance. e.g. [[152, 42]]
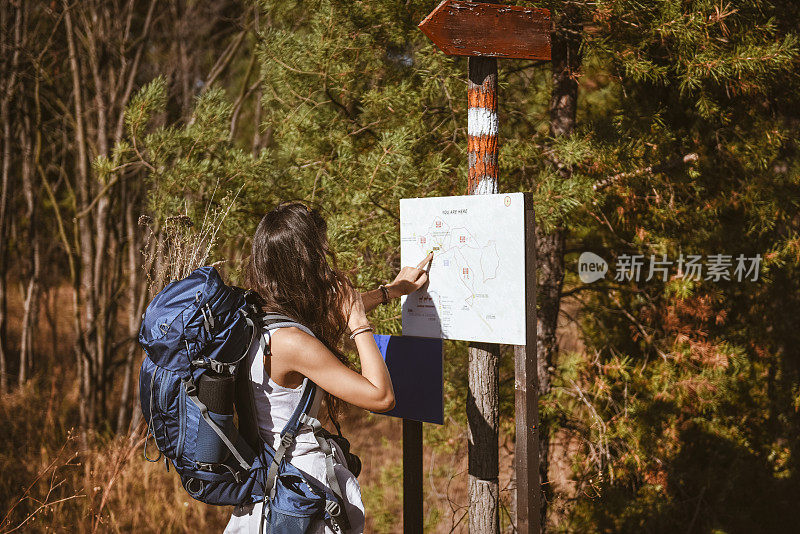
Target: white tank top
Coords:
[[275, 404]]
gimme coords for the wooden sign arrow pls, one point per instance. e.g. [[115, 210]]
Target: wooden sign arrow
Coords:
[[493, 30]]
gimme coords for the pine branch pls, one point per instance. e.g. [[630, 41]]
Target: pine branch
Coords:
[[688, 159]]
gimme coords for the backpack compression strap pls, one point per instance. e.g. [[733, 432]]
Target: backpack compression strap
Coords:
[[332, 507], [191, 394]]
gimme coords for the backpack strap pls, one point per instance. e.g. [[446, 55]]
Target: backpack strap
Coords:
[[191, 394], [332, 507], [273, 322], [299, 418], [289, 432]]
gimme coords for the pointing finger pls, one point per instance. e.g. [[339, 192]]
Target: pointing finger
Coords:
[[424, 262]]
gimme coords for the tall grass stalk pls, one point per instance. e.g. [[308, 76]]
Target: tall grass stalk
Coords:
[[181, 246]]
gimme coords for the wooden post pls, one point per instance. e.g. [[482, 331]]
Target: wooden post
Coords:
[[526, 398], [412, 477], [485, 31], [483, 395]]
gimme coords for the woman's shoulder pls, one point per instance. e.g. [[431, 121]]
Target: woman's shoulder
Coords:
[[289, 340]]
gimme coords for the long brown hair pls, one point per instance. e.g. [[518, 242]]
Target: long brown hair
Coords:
[[294, 269]]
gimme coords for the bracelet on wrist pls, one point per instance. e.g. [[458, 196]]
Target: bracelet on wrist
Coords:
[[385, 294], [360, 330]]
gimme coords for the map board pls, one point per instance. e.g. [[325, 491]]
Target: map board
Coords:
[[476, 290]]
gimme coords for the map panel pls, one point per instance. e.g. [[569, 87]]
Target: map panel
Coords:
[[477, 278]]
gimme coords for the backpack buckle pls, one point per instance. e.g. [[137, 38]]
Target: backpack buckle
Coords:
[[190, 387], [215, 365], [333, 508], [208, 320], [287, 440]]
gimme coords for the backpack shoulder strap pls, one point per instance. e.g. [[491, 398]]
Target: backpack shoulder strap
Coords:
[[303, 408], [299, 418], [273, 321]]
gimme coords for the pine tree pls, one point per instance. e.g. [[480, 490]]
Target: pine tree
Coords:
[[684, 403], [687, 400]]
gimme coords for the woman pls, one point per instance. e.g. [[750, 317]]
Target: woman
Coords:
[[294, 270]]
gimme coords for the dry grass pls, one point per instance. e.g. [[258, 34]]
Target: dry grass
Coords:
[[178, 246], [50, 483]]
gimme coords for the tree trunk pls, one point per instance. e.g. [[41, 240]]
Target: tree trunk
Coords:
[[550, 256], [566, 60], [51, 305], [137, 293], [84, 284], [483, 396], [5, 117], [483, 419], [102, 248], [29, 310]]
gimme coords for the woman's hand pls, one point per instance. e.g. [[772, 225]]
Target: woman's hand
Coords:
[[409, 279], [354, 309]]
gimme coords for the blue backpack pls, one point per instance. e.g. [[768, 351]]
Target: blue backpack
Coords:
[[196, 332]]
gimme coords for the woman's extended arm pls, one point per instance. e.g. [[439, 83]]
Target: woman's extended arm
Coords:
[[295, 351], [304, 354], [408, 280]]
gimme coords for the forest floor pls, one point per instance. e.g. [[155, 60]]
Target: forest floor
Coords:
[[51, 482]]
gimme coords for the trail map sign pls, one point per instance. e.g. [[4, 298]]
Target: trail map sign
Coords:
[[477, 278]]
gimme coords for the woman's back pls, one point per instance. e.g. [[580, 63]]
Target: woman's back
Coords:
[[274, 405]]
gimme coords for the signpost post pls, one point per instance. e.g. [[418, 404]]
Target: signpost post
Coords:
[[413, 515], [415, 365], [484, 32]]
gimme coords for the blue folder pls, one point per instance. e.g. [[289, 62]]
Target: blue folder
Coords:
[[415, 365]]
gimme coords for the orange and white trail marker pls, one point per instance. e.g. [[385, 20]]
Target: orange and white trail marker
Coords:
[[482, 124]]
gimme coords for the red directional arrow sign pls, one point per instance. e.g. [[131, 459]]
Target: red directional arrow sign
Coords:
[[477, 29]]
